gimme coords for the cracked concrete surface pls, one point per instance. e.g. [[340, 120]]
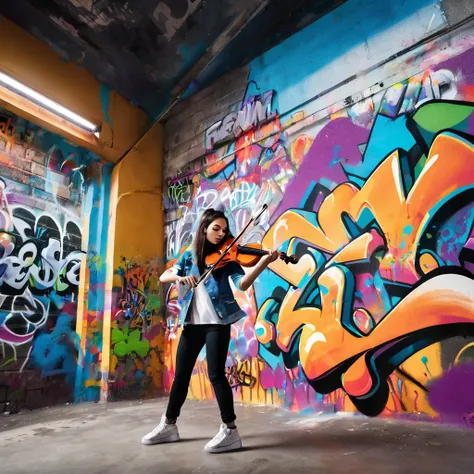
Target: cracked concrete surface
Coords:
[[103, 439]]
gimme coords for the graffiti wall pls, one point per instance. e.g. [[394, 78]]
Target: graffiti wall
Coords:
[[43, 183], [375, 194], [136, 366]]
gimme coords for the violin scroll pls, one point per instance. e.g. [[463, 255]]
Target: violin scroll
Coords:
[[293, 259]]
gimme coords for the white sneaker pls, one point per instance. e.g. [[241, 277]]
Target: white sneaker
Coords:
[[163, 433], [225, 440]]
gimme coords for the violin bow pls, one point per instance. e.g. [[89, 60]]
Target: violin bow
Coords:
[[253, 220]]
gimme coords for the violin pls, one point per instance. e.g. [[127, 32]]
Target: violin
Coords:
[[246, 255]]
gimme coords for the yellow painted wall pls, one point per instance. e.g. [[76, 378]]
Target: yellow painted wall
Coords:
[[35, 64], [140, 198], [137, 250]]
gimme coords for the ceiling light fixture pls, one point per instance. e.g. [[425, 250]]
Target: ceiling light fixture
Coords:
[[48, 104]]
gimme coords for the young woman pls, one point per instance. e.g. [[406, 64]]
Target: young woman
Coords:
[[207, 314]]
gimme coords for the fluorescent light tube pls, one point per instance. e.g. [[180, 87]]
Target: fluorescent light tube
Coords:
[[48, 104]]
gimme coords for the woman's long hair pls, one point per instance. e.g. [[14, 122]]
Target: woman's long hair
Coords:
[[202, 247]]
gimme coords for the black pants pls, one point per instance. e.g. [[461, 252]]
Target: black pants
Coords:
[[217, 338]]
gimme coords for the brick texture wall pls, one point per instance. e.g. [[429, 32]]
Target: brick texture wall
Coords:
[[185, 127]]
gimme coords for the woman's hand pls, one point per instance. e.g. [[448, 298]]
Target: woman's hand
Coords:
[[271, 257], [190, 280]]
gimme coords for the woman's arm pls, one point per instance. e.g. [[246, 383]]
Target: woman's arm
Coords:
[[247, 280], [169, 276]]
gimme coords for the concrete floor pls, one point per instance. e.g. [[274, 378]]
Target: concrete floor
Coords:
[[103, 439]]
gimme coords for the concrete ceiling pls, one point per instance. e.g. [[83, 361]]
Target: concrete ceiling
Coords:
[[151, 51]]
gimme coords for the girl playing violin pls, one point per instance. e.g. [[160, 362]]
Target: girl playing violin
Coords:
[[207, 314]]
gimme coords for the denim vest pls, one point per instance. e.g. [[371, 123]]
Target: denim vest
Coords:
[[227, 309]]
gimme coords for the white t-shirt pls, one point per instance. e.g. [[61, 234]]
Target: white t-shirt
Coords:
[[202, 309]]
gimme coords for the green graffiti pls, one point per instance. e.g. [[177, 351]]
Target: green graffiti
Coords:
[[126, 343], [97, 261], [437, 116], [153, 303]]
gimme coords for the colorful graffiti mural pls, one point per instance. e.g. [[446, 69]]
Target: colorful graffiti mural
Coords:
[[136, 368], [44, 179], [377, 200]]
